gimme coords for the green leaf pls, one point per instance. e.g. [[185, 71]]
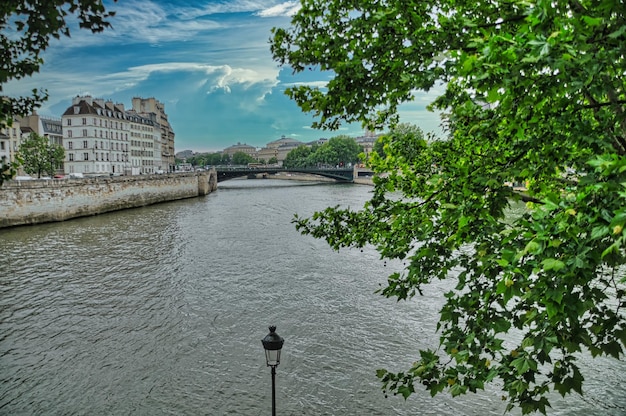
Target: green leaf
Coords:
[[599, 232], [501, 325], [552, 264], [533, 247], [521, 364], [493, 95], [552, 308], [618, 33], [592, 21], [405, 391]]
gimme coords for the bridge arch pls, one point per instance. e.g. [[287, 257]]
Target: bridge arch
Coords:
[[230, 172]]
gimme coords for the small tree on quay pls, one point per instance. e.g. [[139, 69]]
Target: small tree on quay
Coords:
[[40, 156]]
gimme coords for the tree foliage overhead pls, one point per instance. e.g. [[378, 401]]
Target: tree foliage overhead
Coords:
[[535, 94], [26, 28], [40, 156]]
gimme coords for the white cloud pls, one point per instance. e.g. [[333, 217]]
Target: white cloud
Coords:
[[283, 9], [144, 21], [222, 76], [222, 7], [147, 21]]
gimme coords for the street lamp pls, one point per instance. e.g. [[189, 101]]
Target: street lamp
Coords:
[[273, 344]]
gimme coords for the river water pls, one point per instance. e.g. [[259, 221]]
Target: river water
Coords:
[[161, 311]]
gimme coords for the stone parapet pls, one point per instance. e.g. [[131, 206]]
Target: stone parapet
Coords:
[[39, 201]]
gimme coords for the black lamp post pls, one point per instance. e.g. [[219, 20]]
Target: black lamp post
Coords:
[[273, 344]]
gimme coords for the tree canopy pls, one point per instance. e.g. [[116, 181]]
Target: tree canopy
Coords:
[[40, 156], [241, 158], [299, 157], [26, 28], [205, 159], [337, 151], [534, 94]]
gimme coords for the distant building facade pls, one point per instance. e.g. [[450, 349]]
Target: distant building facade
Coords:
[[11, 137], [183, 154], [44, 126], [5, 146], [243, 148], [367, 142], [278, 149]]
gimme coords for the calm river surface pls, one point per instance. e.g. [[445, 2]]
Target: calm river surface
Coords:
[[161, 311]]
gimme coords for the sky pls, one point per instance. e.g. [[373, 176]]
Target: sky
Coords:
[[207, 61]]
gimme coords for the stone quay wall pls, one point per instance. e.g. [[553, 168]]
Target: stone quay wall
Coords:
[[39, 201]]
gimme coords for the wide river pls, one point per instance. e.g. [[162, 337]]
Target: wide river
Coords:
[[161, 311]]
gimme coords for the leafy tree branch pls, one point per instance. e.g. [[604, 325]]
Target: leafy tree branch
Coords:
[[534, 93], [26, 28]]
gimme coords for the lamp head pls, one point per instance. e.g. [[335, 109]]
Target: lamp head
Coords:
[[272, 343]]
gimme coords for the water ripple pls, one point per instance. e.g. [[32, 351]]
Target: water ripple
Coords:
[[160, 311]]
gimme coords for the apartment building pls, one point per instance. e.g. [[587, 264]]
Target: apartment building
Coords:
[[154, 109], [96, 137], [145, 144], [101, 137]]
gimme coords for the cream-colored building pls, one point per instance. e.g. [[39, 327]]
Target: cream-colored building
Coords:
[[96, 137], [101, 137], [154, 109], [145, 145]]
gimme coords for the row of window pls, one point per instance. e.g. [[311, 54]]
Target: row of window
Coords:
[[98, 157], [8, 130], [70, 145], [140, 127], [107, 123], [141, 135], [107, 134], [141, 153], [137, 143]]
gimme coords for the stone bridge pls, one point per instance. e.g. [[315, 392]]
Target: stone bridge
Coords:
[[229, 172]]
